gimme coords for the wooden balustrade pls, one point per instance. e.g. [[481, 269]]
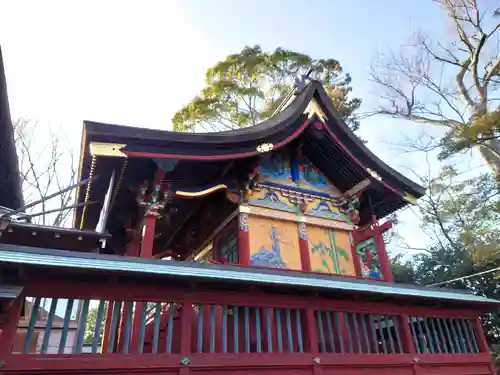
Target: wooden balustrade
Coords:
[[171, 326]]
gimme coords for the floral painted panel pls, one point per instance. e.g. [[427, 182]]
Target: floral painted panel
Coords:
[[368, 258], [330, 251], [273, 243]]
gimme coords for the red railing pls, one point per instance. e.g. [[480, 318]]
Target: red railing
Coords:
[[85, 327]]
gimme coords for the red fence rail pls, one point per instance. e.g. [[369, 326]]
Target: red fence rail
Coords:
[[91, 327]]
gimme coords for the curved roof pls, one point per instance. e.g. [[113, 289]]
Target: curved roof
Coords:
[[10, 182], [309, 120]]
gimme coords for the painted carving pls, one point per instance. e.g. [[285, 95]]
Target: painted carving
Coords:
[[324, 209], [368, 257], [269, 198], [276, 167], [272, 199], [310, 176], [330, 255], [352, 210], [288, 183], [269, 257], [303, 231], [243, 222]]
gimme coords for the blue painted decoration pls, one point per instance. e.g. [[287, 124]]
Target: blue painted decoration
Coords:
[[275, 165], [310, 175], [324, 210], [269, 257]]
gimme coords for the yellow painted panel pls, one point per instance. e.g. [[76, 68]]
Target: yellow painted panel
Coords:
[[274, 243], [330, 251]]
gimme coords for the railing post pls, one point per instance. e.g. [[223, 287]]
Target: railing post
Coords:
[[107, 327], [311, 333], [9, 330], [312, 341], [481, 337], [186, 326], [403, 322]]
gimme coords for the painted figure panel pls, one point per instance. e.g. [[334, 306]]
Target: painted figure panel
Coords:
[[368, 258], [273, 243], [281, 169], [330, 251]]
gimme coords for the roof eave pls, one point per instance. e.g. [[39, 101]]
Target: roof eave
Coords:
[[320, 93], [112, 263], [11, 186]]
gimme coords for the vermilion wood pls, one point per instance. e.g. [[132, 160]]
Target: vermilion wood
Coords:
[[305, 256], [376, 231], [366, 232], [482, 343], [134, 246], [356, 363], [385, 264], [150, 222], [243, 240], [9, 329], [155, 293], [123, 322], [186, 315], [355, 258], [107, 326], [311, 335], [149, 236], [405, 332]]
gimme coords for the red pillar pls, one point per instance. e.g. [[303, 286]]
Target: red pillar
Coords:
[[385, 264], [134, 246], [187, 313], [107, 327], [305, 258], [149, 236], [376, 231], [403, 325], [243, 240], [354, 255], [9, 330], [146, 252], [481, 337]]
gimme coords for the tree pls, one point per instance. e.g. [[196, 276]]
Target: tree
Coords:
[[248, 87], [92, 322], [450, 85], [46, 166], [463, 216]]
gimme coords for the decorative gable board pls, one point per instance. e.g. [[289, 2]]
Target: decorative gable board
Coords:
[[285, 170], [288, 181]]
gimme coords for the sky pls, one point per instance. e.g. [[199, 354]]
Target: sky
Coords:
[[138, 62]]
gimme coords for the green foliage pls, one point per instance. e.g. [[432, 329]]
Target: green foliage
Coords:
[[91, 324], [464, 214], [247, 87], [463, 137]]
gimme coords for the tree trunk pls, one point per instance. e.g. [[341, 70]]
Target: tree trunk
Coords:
[[490, 151]]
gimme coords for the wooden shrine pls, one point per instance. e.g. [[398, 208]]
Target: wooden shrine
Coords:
[[258, 250]]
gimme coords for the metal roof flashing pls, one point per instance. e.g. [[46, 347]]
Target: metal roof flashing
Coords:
[[111, 263], [10, 292]]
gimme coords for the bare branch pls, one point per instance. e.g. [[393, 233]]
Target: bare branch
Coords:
[[45, 167], [440, 83]]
